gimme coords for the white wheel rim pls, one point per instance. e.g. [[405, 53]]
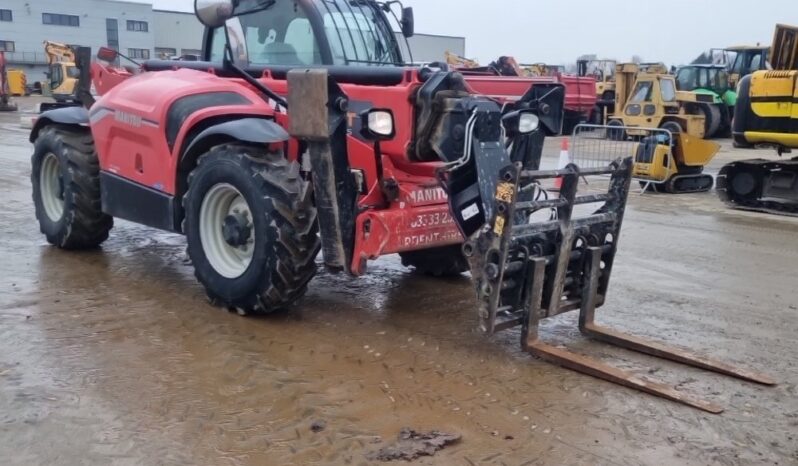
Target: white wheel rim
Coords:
[[221, 201], [52, 192]]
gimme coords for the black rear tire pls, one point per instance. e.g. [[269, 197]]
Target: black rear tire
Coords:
[[713, 118], [283, 224], [447, 261], [617, 133], [81, 223], [597, 115], [672, 126]]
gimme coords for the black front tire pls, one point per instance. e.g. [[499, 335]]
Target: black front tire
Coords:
[[81, 224], [447, 261], [286, 240]]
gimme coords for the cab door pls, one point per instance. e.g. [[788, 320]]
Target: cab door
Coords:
[[56, 77], [637, 108]]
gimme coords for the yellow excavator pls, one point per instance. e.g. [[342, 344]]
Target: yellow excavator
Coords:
[[766, 115], [63, 74]]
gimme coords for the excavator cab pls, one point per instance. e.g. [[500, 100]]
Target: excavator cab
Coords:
[[62, 73], [744, 60]]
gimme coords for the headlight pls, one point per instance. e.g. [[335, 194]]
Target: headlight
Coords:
[[379, 124], [528, 123], [521, 122]]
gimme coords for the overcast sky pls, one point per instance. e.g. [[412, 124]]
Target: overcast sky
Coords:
[[558, 31]]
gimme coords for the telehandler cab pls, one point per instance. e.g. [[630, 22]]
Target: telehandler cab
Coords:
[[303, 132]]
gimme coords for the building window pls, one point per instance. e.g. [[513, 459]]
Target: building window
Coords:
[[165, 53], [60, 20], [194, 52], [139, 53], [112, 33], [138, 26], [7, 46], [5, 15]]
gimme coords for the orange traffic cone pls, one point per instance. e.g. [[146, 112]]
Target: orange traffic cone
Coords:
[[565, 159]]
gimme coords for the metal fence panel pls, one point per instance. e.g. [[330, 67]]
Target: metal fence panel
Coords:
[[596, 146]]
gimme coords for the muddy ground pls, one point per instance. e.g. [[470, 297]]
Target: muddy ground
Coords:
[[114, 356]]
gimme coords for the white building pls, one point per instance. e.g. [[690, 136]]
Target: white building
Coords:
[[428, 48], [135, 29], [26, 24], [177, 34]]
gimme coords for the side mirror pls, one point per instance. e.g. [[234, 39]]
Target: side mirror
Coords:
[[408, 22], [213, 13], [107, 54]]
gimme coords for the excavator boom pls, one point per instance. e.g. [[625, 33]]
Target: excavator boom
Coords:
[[58, 53]]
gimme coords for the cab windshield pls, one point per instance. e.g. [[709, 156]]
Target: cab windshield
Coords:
[[352, 32], [748, 61], [711, 78]]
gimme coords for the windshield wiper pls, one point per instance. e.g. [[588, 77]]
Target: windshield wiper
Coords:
[[245, 7]]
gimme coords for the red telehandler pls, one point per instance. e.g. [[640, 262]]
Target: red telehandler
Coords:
[[301, 132]]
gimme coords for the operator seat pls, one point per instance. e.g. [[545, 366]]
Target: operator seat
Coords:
[[278, 53]]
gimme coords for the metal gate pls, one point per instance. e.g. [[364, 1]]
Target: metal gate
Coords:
[[597, 146]]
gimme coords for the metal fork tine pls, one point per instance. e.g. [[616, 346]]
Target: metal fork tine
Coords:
[[671, 353], [588, 326], [550, 267], [609, 373], [532, 343]]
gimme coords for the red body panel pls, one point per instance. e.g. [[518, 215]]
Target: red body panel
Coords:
[[580, 92], [129, 125]]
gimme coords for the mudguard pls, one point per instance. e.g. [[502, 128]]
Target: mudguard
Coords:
[[66, 116], [254, 130]]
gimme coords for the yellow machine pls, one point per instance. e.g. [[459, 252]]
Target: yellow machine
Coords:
[[649, 99], [604, 73], [460, 62], [541, 69], [505, 65], [766, 115], [6, 105], [766, 111], [746, 60], [63, 73], [17, 82], [674, 165]]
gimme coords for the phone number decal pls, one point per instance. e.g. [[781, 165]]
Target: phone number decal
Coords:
[[432, 220]]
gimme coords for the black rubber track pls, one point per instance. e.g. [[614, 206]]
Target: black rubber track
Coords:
[[83, 224], [286, 228], [758, 170]]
